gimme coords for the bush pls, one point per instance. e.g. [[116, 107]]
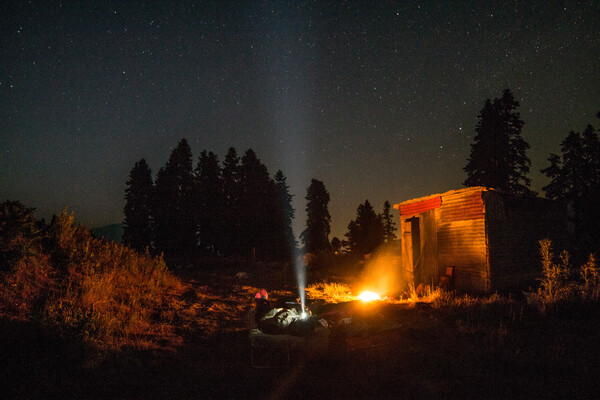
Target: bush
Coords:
[[103, 291], [19, 232], [553, 283], [557, 285], [27, 286], [590, 276]]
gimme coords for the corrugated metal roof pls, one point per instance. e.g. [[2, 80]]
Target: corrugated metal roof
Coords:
[[421, 206], [448, 193]]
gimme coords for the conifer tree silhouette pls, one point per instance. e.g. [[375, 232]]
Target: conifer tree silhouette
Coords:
[[175, 227], [138, 213], [315, 237], [498, 153]]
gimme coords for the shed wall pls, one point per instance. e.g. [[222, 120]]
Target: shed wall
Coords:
[[491, 238], [515, 225], [462, 241]]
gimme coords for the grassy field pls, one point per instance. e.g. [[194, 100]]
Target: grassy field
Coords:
[[454, 347]]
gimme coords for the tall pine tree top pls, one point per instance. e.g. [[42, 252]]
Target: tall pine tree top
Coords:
[[175, 229], [209, 204], [498, 153], [389, 227], [316, 235], [257, 202], [138, 216], [284, 242], [575, 178], [366, 232]]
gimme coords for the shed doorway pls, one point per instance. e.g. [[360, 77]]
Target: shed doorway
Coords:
[[415, 252], [421, 248]]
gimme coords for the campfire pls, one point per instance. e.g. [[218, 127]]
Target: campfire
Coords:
[[367, 296]]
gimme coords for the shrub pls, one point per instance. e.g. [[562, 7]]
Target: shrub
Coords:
[[590, 276], [27, 286], [19, 233], [556, 284], [422, 293], [103, 291], [554, 276]]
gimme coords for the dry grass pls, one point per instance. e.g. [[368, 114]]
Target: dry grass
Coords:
[[425, 294], [452, 347], [217, 302], [330, 292], [105, 292], [590, 275], [560, 284]]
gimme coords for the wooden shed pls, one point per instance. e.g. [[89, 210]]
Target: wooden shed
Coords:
[[485, 238]]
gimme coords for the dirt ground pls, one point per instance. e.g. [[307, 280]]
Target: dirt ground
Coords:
[[412, 351]]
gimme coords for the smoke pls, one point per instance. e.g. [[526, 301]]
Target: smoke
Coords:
[[383, 273]]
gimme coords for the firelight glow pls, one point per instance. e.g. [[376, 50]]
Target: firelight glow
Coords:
[[369, 296]]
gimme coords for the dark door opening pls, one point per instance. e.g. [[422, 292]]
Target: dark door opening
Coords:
[[416, 251]]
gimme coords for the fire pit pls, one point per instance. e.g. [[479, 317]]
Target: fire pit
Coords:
[[367, 296]]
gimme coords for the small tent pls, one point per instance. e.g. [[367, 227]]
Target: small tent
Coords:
[[485, 238]]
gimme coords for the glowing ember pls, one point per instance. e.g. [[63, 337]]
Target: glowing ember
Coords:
[[369, 296]]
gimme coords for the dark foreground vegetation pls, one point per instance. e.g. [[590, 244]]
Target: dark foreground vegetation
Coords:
[[83, 318], [58, 275], [476, 348]]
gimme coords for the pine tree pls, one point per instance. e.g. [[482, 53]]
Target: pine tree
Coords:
[[591, 156], [353, 237], [315, 237], [257, 202], [366, 232], [284, 242], [19, 233], [389, 227], [209, 203], [556, 188], [175, 228], [498, 153], [138, 215], [574, 174], [575, 179], [232, 213]]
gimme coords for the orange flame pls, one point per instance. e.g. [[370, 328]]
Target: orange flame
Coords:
[[368, 296]]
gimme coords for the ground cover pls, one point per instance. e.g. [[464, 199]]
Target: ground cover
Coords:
[[457, 347]]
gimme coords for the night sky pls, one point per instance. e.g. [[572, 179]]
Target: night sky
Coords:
[[379, 100]]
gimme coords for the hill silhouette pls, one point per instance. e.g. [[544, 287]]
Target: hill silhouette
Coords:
[[112, 232]]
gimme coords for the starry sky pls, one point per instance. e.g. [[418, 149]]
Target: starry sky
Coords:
[[377, 99]]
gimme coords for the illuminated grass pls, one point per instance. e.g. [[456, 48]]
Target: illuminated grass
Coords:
[[330, 292], [105, 292]]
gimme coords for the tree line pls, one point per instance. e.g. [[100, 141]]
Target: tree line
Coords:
[[229, 208], [498, 159], [234, 208], [366, 232], [237, 208]]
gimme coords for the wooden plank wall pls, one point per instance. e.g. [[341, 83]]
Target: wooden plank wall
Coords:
[[515, 225], [462, 241]]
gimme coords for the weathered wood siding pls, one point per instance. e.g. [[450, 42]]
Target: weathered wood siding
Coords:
[[461, 238], [489, 237], [514, 226]]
